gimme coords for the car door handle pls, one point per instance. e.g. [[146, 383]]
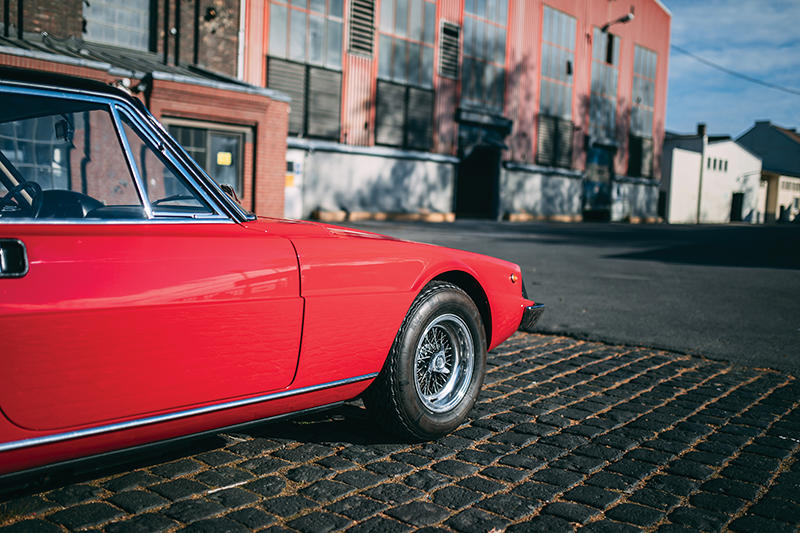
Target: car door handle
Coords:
[[13, 258]]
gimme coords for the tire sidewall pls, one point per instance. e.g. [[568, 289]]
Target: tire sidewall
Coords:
[[422, 421]]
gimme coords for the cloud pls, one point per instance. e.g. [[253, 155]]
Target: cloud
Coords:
[[756, 38]]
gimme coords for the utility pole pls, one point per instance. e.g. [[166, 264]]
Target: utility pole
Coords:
[[701, 132]]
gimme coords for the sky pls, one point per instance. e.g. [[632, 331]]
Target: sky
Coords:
[[759, 38]]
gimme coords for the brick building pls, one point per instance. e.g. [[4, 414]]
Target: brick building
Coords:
[[521, 109], [182, 58]]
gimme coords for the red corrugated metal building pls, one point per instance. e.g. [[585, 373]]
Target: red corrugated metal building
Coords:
[[488, 108]]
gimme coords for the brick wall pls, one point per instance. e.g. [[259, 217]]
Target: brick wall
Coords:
[[265, 161], [218, 43], [61, 18]]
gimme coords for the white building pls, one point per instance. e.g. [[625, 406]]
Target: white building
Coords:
[[710, 180]]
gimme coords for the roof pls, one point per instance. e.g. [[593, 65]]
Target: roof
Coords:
[[123, 62], [778, 147]]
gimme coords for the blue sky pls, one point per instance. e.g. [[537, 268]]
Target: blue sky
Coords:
[[760, 38]]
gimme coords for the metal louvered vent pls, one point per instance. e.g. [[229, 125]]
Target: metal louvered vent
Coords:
[[362, 26], [448, 49]]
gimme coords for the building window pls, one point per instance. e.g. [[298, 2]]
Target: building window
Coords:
[[123, 23], [404, 111], [603, 100], [483, 73], [218, 149], [555, 95], [640, 157], [305, 61]]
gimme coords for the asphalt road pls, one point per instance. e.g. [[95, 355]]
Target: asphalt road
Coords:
[[724, 292]]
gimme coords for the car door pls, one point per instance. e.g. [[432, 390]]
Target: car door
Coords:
[[126, 292]]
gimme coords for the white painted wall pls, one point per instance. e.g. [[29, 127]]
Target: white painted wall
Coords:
[[335, 181], [683, 186], [682, 162], [743, 175], [540, 193], [788, 198]]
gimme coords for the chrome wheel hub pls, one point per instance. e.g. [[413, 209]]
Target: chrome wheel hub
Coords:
[[443, 363]]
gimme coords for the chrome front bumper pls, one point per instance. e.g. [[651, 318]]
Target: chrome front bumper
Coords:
[[530, 317]]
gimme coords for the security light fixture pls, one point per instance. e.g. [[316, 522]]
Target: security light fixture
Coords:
[[624, 19]]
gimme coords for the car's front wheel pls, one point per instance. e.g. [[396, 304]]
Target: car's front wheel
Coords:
[[435, 369]]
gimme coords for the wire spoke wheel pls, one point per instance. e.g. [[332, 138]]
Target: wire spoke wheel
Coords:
[[434, 371], [443, 363]]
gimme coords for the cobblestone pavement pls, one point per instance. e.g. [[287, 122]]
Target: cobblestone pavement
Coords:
[[567, 435]]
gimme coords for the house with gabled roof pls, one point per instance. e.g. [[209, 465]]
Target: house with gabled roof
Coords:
[[779, 150]]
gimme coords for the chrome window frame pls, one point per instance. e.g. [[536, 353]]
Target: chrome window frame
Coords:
[[154, 143], [197, 180]]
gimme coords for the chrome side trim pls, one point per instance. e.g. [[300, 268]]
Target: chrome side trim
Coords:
[[88, 432]]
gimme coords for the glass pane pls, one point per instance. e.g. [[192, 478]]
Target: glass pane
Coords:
[[277, 30], [316, 28], [165, 187], [415, 22], [317, 5], [547, 24], [491, 10], [121, 23], [401, 17], [67, 146], [385, 57], [400, 60], [469, 6], [335, 8], [334, 52], [297, 36], [413, 63], [225, 159], [500, 46], [502, 12], [300, 3], [480, 8], [387, 15], [426, 78], [480, 39], [469, 36], [193, 141], [430, 23]]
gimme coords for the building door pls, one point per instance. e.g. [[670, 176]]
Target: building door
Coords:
[[737, 204], [478, 183], [598, 183]]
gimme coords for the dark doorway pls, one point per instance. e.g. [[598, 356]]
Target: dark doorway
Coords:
[[478, 183], [737, 205], [598, 183]]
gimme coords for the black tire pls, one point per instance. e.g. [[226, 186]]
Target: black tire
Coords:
[[428, 385]]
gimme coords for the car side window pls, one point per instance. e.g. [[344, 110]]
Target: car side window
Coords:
[[62, 159], [166, 188]]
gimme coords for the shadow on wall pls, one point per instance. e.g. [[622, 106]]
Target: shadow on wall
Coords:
[[359, 182]]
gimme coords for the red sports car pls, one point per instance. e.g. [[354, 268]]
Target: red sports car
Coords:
[[139, 302]]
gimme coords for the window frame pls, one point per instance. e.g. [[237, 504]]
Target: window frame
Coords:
[[609, 132], [407, 39], [148, 47], [290, 6], [641, 76], [466, 73], [246, 133], [563, 157], [147, 127]]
